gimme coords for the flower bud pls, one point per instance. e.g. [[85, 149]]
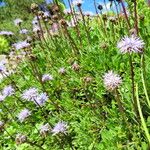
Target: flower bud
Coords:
[[100, 7]]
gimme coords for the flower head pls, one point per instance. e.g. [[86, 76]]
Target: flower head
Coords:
[[41, 99], [24, 114], [131, 44], [35, 21], [62, 70], [46, 14], [88, 13], [60, 127], [6, 33], [36, 28], [30, 94], [8, 91], [21, 45], [77, 2], [44, 129], [2, 97], [23, 31], [20, 138], [47, 77], [18, 21], [112, 80], [1, 125], [2, 68]]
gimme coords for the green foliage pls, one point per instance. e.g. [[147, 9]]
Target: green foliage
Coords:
[[77, 95], [4, 45]]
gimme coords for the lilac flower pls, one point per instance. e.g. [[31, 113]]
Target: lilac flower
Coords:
[[20, 138], [18, 21], [1, 125], [88, 13], [46, 14], [41, 99], [34, 21], [24, 114], [23, 31], [131, 44], [2, 68], [47, 77], [8, 91], [60, 127], [36, 28], [2, 97], [77, 2], [30, 94], [62, 70], [112, 80], [21, 45], [44, 129], [6, 33]]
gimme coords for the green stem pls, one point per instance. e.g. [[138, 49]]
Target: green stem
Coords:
[[133, 90], [143, 82], [141, 116]]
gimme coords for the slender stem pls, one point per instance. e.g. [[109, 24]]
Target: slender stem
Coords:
[[136, 17], [33, 143], [120, 105], [84, 22], [125, 13], [141, 116], [133, 90], [143, 82], [75, 21]]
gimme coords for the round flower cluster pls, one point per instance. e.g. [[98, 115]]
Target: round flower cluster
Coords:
[[60, 127], [112, 80], [131, 44], [24, 114], [32, 95]]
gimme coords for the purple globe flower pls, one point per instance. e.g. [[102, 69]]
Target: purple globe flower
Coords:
[[30, 94], [60, 127], [131, 44], [41, 99], [8, 91], [112, 80], [24, 114]]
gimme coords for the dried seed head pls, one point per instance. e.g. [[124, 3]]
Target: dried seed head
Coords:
[[104, 46], [104, 16], [55, 17], [55, 8], [63, 22], [75, 66], [20, 139], [34, 7], [87, 79], [40, 13]]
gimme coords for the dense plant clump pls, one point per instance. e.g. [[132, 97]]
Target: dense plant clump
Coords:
[[76, 80]]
